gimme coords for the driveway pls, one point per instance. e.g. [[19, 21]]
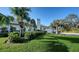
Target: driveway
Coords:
[[71, 34]]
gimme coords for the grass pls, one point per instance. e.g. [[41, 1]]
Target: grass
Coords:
[[72, 42], [45, 43]]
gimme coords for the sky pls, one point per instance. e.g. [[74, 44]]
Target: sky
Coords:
[[46, 14]]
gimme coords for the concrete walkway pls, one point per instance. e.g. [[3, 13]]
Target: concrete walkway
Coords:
[[71, 34]]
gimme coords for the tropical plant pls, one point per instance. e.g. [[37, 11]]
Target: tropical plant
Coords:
[[10, 19], [3, 19], [21, 13]]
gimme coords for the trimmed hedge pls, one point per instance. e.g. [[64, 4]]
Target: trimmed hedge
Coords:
[[32, 35]]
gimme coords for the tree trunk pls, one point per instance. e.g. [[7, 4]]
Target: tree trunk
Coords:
[[56, 29], [21, 23]]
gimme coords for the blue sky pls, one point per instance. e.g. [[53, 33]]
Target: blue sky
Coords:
[[46, 14]]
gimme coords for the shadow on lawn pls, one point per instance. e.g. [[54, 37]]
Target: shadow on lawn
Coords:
[[54, 46], [47, 38], [42, 37], [47, 45], [71, 39]]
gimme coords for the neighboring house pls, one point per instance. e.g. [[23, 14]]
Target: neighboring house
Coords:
[[50, 30], [16, 25], [43, 28]]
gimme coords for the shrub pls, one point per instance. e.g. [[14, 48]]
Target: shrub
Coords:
[[27, 35], [14, 36], [34, 34]]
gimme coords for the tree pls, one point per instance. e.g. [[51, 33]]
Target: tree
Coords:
[[66, 26], [9, 20], [57, 23], [5, 21], [21, 14], [72, 19], [2, 19]]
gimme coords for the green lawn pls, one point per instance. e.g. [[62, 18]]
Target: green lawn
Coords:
[[45, 43]]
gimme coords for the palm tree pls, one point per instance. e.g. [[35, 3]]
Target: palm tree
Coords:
[[2, 19], [10, 19], [5, 20], [21, 14]]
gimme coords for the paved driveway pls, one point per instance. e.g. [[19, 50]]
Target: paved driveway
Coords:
[[71, 34]]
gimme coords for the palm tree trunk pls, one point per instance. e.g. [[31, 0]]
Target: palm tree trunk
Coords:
[[22, 32], [21, 24]]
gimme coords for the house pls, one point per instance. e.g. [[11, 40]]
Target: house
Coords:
[[50, 30]]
